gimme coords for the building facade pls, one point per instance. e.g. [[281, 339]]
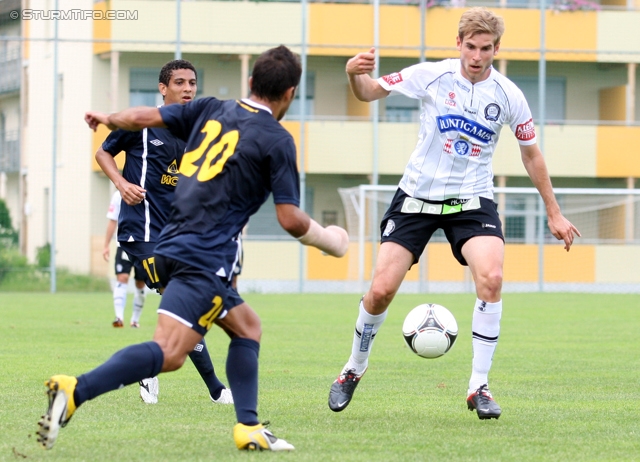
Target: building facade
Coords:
[[108, 55]]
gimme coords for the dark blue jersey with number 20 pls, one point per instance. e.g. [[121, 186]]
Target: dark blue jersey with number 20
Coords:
[[237, 154]]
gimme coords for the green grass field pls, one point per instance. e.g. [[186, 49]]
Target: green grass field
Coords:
[[566, 374]]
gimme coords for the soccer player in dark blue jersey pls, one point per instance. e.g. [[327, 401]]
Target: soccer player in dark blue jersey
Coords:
[[147, 186], [237, 154]]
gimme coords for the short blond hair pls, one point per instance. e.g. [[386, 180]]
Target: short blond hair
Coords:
[[480, 21]]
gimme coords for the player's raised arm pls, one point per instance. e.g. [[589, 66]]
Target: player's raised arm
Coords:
[[536, 167], [332, 240], [132, 119], [363, 86]]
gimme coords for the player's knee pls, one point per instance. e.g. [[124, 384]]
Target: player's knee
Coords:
[[252, 326], [490, 285], [122, 278], [173, 360], [380, 296]]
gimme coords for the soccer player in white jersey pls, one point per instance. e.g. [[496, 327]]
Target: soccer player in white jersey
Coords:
[[448, 184], [123, 267]]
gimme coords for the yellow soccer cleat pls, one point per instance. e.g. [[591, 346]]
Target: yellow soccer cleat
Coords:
[[60, 390], [258, 438]]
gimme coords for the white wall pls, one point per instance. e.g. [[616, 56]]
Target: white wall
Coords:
[[73, 204]]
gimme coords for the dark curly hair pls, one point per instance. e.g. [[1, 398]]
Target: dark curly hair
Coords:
[[167, 70], [274, 72]]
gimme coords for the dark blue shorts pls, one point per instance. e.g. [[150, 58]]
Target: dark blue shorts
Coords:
[[141, 254], [193, 296], [411, 222], [123, 265]]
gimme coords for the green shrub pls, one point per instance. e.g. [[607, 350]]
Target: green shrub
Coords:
[[11, 260], [8, 235], [43, 256], [30, 279]]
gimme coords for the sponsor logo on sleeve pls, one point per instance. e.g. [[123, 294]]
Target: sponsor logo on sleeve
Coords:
[[526, 131], [392, 79], [389, 228]]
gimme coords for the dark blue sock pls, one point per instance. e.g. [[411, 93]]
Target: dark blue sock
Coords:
[[127, 366], [202, 361], [242, 372]]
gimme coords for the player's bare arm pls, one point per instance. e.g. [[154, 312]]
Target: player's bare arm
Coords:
[[111, 228], [332, 240], [560, 227], [132, 119], [131, 193], [363, 86]]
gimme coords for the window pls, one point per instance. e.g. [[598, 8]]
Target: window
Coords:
[[294, 109], [143, 86], [399, 108], [264, 224], [555, 96]]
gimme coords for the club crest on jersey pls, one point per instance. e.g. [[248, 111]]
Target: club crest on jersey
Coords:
[[460, 124], [392, 79], [170, 179], [173, 168], [492, 112], [526, 131], [389, 228]]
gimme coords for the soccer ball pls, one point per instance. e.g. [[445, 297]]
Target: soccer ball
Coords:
[[430, 330]]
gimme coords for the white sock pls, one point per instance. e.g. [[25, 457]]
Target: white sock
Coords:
[[119, 299], [138, 304], [366, 329], [486, 329]]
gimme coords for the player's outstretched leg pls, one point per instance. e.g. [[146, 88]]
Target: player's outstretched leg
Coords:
[[258, 438], [66, 393], [149, 390], [342, 389], [60, 390], [483, 403]]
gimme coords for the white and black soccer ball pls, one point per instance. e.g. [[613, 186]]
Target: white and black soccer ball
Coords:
[[430, 330]]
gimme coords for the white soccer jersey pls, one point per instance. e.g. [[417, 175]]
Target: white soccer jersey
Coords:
[[114, 206], [460, 126]]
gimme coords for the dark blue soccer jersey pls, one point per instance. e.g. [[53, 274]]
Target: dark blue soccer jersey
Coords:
[[152, 159], [237, 154]]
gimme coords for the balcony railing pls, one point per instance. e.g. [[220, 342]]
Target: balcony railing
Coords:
[[9, 151], [10, 75]]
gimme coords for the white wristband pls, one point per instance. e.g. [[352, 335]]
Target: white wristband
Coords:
[[332, 239]]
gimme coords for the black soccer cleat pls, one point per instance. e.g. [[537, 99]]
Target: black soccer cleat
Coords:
[[482, 402], [342, 389]]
